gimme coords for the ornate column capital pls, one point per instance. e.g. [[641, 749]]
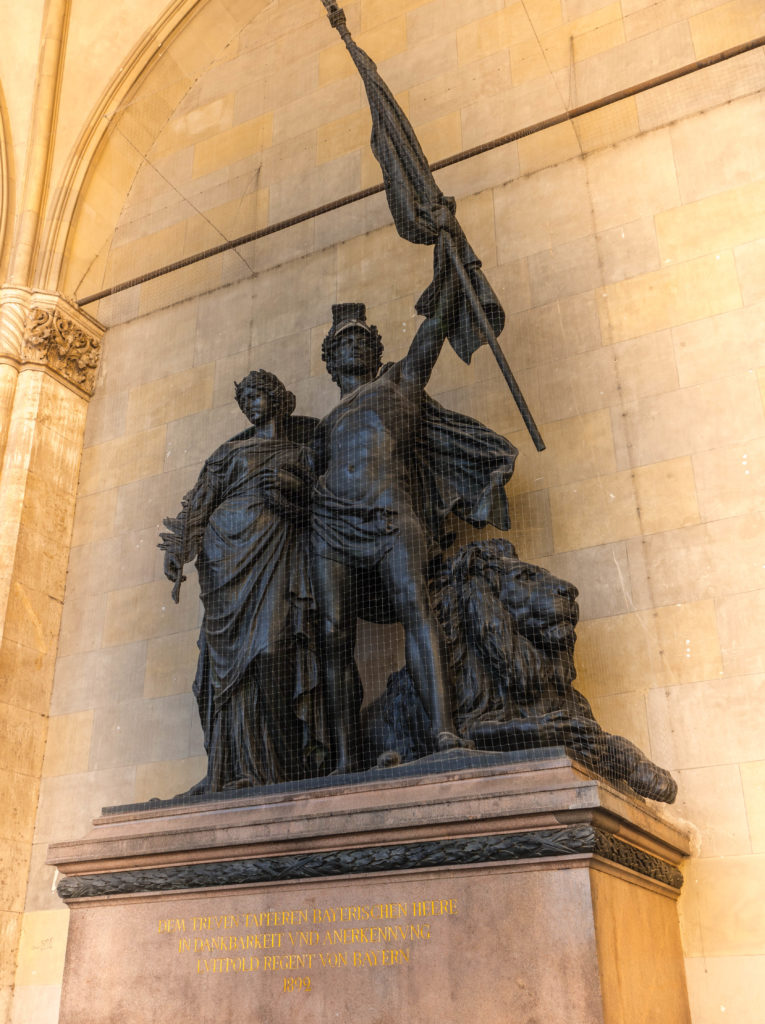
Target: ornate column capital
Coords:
[[64, 339], [45, 330]]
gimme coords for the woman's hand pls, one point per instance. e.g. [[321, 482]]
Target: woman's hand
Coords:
[[173, 566], [287, 493]]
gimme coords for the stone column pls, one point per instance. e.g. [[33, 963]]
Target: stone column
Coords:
[[14, 305], [48, 362]]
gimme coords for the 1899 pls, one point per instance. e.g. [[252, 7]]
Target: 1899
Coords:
[[297, 984]]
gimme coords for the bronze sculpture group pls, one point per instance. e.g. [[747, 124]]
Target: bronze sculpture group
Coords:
[[301, 527]]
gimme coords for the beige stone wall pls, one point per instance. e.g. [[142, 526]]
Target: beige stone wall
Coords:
[[627, 247]]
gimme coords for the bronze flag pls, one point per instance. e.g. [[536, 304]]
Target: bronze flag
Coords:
[[424, 215]]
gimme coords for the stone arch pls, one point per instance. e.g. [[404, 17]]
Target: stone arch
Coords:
[[124, 123], [7, 178]]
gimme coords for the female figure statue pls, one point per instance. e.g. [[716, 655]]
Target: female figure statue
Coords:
[[257, 676]]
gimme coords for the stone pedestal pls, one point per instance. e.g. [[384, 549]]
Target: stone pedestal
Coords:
[[498, 891]]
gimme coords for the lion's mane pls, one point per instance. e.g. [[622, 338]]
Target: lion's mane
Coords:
[[499, 663]]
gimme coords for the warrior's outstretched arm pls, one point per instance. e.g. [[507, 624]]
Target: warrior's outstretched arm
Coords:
[[417, 365]]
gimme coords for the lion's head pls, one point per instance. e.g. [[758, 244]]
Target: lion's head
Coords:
[[509, 627], [543, 608]]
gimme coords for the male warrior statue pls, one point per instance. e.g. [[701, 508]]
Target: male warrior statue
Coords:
[[392, 464]]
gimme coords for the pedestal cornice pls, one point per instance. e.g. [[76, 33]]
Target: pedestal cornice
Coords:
[[543, 811]]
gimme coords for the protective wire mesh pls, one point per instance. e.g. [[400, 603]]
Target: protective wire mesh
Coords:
[[369, 599]]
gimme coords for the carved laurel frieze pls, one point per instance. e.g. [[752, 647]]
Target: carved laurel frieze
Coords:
[[538, 844]]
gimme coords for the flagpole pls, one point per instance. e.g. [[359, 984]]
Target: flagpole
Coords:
[[330, 6], [488, 332]]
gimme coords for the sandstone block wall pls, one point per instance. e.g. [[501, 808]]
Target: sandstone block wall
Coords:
[[627, 247]]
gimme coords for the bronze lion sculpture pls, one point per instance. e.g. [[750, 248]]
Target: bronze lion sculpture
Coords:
[[509, 629]]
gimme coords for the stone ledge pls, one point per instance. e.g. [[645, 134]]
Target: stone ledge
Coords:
[[546, 808], [542, 843]]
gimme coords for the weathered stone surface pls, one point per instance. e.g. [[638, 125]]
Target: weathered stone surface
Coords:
[[507, 887]]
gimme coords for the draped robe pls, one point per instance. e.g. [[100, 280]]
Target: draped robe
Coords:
[[257, 680]]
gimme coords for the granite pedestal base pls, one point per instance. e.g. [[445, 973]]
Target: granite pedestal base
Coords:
[[522, 893]]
